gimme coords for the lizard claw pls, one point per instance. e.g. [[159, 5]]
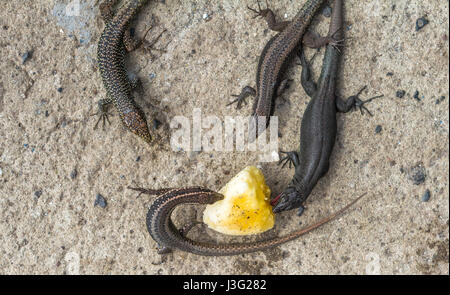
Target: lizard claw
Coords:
[[103, 113], [246, 91], [337, 44], [289, 199], [361, 103], [259, 12], [291, 158], [239, 100]]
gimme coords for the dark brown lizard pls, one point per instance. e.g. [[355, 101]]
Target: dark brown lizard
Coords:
[[112, 46], [168, 237], [274, 60]]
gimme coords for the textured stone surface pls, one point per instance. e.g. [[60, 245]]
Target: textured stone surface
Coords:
[[50, 85]]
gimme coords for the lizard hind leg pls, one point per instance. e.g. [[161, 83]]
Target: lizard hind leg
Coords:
[[240, 98], [131, 44], [269, 16], [354, 102]]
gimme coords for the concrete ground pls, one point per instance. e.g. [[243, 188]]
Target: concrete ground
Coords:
[[53, 164]]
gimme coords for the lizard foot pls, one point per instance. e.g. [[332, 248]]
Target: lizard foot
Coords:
[[291, 158], [289, 199], [240, 98], [103, 113], [150, 46], [336, 43], [358, 103], [260, 12]]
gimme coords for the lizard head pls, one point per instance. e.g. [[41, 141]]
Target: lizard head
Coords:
[[135, 122], [289, 199]]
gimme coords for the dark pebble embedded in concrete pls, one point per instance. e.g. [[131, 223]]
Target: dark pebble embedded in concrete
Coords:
[[420, 23], [440, 99], [426, 196], [416, 95], [390, 74], [400, 93], [38, 193], [418, 175], [100, 201], [378, 129], [74, 173], [138, 158], [26, 56], [60, 89]]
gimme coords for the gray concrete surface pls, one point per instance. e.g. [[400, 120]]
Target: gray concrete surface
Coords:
[[48, 221]]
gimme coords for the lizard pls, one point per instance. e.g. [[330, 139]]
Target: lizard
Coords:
[[168, 237], [318, 126], [112, 46], [274, 59]]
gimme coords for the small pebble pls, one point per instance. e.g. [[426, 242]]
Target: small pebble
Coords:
[[426, 196], [420, 23], [60, 89], [206, 17], [38, 193], [73, 174], [390, 74], [401, 93], [439, 100], [378, 129], [26, 56], [419, 176], [100, 201], [416, 95], [138, 158]]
